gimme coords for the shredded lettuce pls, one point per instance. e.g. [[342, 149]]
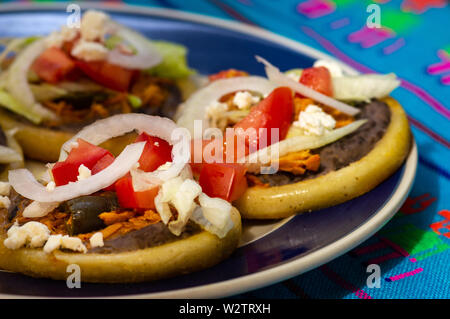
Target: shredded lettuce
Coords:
[[19, 88], [112, 42], [135, 101], [16, 45], [9, 102], [294, 73], [47, 91], [364, 87], [174, 64]]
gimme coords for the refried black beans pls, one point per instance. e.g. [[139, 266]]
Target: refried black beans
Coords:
[[345, 151]]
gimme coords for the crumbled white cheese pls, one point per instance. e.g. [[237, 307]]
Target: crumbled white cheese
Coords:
[[57, 39], [314, 121], [54, 39], [216, 108], [5, 188], [244, 99], [33, 234], [73, 243], [214, 113], [39, 209], [58, 241], [89, 51], [69, 34], [334, 68], [5, 201], [96, 240], [50, 186], [83, 172], [53, 243], [93, 25]]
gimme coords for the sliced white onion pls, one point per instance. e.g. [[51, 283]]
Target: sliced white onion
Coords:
[[118, 125], [38, 209], [17, 83], [163, 208], [26, 185], [145, 180], [273, 152], [147, 55], [214, 216], [195, 107], [121, 124], [184, 202], [9, 155], [364, 87], [12, 46], [199, 218], [281, 79]]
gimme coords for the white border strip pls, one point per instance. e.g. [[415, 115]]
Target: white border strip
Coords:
[[290, 269]]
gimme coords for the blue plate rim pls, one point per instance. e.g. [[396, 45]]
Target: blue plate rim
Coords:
[[290, 269]]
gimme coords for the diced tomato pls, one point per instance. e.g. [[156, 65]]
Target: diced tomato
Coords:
[[239, 187], [231, 73], [146, 199], [68, 45], [53, 65], [226, 181], [103, 163], [125, 192], [156, 152], [231, 151], [128, 198], [110, 75], [319, 79], [275, 111], [86, 154]]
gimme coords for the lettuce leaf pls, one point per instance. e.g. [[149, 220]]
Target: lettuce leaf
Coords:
[[9, 102], [174, 64]]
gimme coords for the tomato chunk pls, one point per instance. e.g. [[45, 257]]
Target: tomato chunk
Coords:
[[231, 148], [128, 198], [103, 163], [156, 152], [53, 65], [318, 79], [125, 192], [146, 199], [110, 75], [223, 180], [274, 112], [85, 153], [225, 74]]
